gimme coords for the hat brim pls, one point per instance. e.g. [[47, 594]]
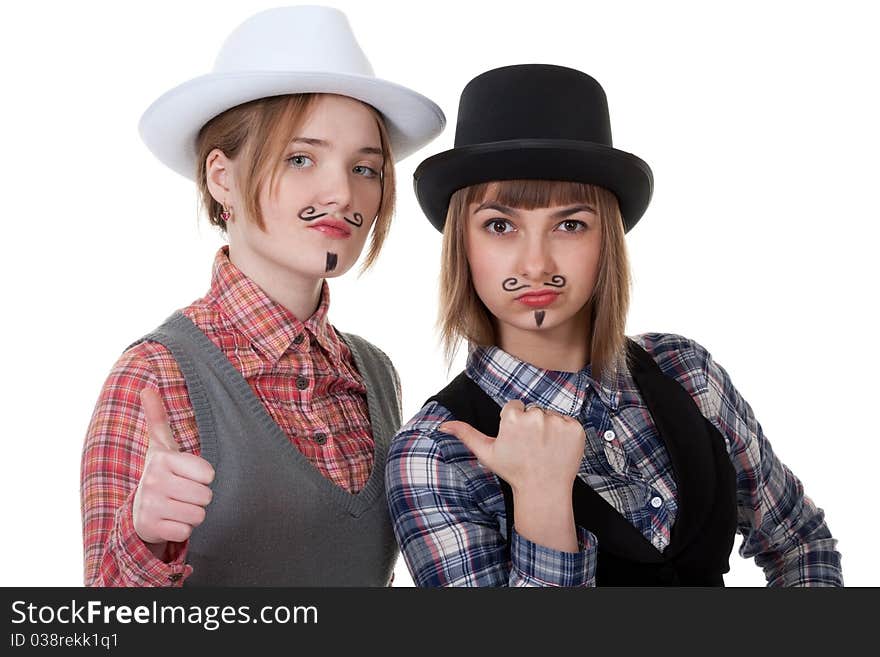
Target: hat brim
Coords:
[[624, 174], [170, 126]]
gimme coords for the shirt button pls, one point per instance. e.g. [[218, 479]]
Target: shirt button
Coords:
[[656, 502], [299, 338], [320, 438], [302, 382], [175, 577], [608, 435]]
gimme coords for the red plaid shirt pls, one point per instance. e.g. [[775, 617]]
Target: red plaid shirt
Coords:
[[276, 353]]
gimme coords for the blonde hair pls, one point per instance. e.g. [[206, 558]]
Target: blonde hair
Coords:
[[256, 135], [463, 316]]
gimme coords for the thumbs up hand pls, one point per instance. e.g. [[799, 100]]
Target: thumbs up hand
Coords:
[[173, 491]]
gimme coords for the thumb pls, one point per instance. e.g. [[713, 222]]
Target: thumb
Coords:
[[159, 432], [476, 441]]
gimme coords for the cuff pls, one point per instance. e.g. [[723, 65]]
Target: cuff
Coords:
[[537, 565], [137, 564]]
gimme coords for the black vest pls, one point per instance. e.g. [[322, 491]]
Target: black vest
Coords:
[[702, 535]]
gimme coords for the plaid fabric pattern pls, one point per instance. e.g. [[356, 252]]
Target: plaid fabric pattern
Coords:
[[448, 510], [302, 372]]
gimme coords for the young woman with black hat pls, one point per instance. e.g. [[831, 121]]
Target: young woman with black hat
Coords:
[[567, 454], [267, 469]]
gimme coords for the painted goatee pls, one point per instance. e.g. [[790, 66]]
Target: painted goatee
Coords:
[[331, 261], [539, 317]]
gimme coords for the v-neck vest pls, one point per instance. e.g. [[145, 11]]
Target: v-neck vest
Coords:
[[702, 535], [274, 519]]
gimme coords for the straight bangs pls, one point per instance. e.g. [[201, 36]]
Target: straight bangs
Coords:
[[534, 194]]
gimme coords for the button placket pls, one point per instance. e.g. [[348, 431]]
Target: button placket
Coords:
[[615, 457], [614, 453]]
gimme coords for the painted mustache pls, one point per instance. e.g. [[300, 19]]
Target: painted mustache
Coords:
[[309, 214], [512, 284]]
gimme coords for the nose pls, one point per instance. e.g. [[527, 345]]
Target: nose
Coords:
[[335, 191], [535, 259]]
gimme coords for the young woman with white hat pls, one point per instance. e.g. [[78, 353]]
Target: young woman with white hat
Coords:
[[567, 454], [243, 441]]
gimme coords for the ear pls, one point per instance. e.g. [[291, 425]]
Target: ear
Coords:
[[219, 171]]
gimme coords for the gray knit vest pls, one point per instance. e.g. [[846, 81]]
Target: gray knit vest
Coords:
[[274, 519]]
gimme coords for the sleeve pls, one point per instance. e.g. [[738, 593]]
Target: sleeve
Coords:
[[445, 534], [112, 462], [781, 527]]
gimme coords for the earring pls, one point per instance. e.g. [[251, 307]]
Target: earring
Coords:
[[226, 215]]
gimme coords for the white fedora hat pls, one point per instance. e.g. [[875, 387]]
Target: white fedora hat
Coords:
[[287, 50]]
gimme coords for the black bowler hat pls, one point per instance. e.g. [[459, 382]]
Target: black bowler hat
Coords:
[[533, 121]]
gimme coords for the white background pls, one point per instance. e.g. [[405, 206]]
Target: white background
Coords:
[[758, 119]]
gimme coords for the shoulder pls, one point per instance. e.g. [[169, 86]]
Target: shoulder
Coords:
[[370, 354], [147, 363], [679, 357], [217, 326], [118, 412], [364, 347], [421, 438], [150, 356], [708, 383]]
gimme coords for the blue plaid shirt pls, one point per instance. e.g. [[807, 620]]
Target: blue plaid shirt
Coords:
[[448, 510]]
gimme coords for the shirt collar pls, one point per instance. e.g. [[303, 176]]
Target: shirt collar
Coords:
[[270, 327], [504, 377]]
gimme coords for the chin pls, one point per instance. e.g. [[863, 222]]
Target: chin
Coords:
[[336, 273], [521, 323], [552, 319], [331, 269], [312, 269]]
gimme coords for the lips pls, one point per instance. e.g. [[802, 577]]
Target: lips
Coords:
[[332, 228], [538, 298]]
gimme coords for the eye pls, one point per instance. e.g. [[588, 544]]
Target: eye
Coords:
[[300, 161], [365, 171], [498, 226], [572, 226]]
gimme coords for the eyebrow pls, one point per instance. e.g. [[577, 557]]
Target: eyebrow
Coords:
[[492, 205], [366, 150], [583, 207]]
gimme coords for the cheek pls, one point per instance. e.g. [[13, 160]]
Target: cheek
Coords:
[[582, 273], [276, 207], [359, 236], [488, 273], [481, 272], [368, 198]]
